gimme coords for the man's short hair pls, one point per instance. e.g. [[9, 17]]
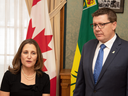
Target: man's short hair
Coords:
[[112, 17]]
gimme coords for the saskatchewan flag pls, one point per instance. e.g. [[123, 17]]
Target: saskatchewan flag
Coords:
[[85, 34]]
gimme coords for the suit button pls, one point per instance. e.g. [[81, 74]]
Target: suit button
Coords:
[[94, 91]]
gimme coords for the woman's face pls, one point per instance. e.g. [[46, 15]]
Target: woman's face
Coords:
[[29, 56]]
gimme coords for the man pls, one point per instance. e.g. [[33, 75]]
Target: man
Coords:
[[111, 77]]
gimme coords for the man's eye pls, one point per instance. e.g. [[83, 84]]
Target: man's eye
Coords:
[[94, 24], [101, 24]]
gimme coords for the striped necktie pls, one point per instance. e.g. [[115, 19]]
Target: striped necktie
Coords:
[[99, 61]]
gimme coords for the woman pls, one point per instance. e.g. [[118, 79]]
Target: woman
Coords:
[[26, 78]]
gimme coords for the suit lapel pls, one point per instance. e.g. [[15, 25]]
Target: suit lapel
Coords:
[[113, 52], [91, 60]]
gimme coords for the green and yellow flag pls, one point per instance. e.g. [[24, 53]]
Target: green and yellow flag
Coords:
[[85, 34]]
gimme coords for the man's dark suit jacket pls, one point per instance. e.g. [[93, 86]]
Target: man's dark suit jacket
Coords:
[[113, 79]]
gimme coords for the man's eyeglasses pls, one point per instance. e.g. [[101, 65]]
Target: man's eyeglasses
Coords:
[[100, 25]]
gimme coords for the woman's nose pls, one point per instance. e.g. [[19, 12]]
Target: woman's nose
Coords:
[[29, 55]]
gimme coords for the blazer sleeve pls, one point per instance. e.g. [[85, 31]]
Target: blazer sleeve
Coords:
[[46, 89], [5, 85], [44, 83], [80, 82]]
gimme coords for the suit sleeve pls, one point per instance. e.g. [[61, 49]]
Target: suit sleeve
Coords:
[[80, 82], [127, 84]]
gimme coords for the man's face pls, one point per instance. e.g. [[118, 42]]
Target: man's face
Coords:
[[107, 32]]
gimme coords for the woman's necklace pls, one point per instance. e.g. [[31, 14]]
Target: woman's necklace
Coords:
[[28, 77]]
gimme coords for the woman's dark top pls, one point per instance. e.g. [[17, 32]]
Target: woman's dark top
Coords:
[[12, 83]]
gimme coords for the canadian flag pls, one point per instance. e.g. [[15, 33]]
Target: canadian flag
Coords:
[[40, 30]]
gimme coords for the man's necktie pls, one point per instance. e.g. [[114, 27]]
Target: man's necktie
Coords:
[[99, 61]]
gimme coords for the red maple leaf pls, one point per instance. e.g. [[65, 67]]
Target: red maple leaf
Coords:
[[41, 39], [35, 2], [44, 68], [30, 30]]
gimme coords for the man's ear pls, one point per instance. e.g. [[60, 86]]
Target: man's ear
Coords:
[[114, 24]]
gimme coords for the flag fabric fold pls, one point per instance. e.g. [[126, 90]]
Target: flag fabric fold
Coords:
[[85, 34], [40, 30]]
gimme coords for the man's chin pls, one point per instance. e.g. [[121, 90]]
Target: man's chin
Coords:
[[101, 40]]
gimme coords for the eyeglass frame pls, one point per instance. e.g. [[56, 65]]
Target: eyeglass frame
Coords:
[[101, 24]]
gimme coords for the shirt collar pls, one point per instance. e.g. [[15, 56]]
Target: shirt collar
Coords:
[[109, 43]]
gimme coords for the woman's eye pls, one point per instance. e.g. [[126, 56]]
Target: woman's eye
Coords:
[[33, 53], [25, 52]]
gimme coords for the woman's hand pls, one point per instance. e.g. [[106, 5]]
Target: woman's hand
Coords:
[[2, 93], [43, 95]]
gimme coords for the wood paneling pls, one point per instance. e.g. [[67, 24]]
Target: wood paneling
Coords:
[[64, 73], [65, 77], [61, 37]]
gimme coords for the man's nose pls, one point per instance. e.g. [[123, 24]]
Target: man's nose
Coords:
[[97, 27]]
